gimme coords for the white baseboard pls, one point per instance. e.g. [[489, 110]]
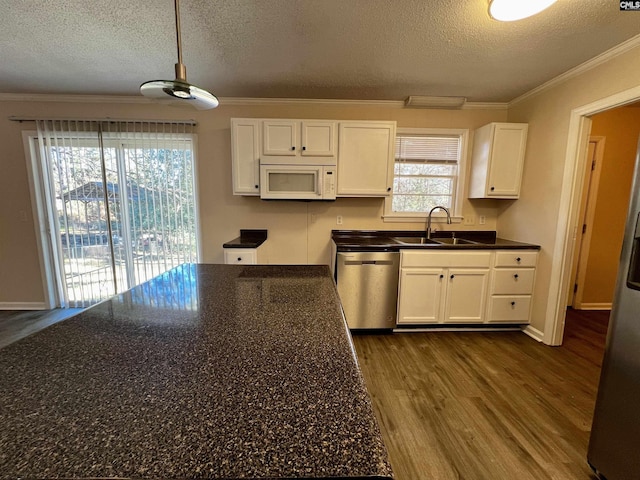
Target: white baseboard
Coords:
[[534, 333], [594, 306], [23, 306]]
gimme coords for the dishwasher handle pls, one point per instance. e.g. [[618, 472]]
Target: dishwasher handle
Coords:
[[368, 262]]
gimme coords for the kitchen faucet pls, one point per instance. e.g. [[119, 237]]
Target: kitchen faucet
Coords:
[[429, 218]]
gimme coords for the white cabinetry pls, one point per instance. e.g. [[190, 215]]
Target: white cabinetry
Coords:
[[512, 282], [302, 138], [497, 160], [245, 256], [245, 156], [443, 287], [365, 158]]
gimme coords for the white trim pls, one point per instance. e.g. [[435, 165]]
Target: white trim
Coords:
[[583, 241], [41, 221], [196, 193], [595, 306], [613, 52], [23, 306], [228, 101], [437, 217], [534, 333], [570, 198]]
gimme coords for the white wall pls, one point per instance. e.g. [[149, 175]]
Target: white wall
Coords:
[[536, 215], [299, 232]]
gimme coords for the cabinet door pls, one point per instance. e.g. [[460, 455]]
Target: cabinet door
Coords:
[[280, 137], [466, 295], [245, 156], [507, 158], [420, 294], [365, 158], [318, 138]]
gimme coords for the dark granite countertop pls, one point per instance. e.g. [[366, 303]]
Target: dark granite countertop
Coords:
[[207, 371], [383, 240], [247, 239]]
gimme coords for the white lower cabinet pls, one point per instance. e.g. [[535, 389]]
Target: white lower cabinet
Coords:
[[512, 280], [443, 287], [246, 256], [489, 286]]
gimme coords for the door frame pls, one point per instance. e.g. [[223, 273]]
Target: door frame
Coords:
[[586, 217], [573, 179]]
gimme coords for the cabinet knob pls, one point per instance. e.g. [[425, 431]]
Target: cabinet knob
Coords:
[[293, 148], [513, 303], [239, 259], [388, 189], [256, 186], [441, 276], [518, 259], [515, 276], [452, 276], [304, 148], [493, 188]]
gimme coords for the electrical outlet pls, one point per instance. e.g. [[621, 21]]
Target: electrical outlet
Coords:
[[469, 220], [339, 220], [482, 219]]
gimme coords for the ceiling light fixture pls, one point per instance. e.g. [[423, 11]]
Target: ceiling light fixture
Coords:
[[179, 88], [425, 101], [510, 10]]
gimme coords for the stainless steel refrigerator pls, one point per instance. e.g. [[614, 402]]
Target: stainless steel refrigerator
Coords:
[[614, 447]]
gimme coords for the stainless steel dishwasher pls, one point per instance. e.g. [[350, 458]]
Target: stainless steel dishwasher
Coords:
[[368, 287]]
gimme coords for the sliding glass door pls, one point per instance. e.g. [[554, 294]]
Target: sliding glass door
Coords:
[[121, 202]]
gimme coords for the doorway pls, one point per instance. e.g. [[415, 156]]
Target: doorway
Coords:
[[119, 203]]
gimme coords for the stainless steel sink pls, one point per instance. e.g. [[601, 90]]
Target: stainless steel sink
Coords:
[[455, 241], [415, 240]]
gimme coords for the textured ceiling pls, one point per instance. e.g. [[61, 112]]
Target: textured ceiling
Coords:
[[341, 49]]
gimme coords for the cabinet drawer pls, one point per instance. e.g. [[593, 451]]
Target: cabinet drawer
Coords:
[[410, 258], [511, 308], [245, 256], [516, 258], [517, 281]]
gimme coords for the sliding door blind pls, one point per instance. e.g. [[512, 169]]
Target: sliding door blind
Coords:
[[122, 202], [426, 172]]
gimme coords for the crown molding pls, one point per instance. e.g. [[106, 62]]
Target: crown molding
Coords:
[[619, 49], [228, 101]]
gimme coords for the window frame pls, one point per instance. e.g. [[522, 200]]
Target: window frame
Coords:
[[456, 211]]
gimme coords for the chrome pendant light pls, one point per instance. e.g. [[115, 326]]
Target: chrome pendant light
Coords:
[[179, 88]]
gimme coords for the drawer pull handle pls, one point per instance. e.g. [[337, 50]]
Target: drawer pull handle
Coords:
[[518, 259], [515, 276], [513, 304], [239, 259]]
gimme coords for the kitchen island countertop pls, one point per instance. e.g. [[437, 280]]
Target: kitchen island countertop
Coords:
[[207, 371]]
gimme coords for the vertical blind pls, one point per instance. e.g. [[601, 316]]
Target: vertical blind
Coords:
[[121, 201]]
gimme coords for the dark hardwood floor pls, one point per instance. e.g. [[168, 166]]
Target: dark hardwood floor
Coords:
[[486, 406], [17, 324]]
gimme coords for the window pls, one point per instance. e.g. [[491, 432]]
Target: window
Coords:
[[428, 171]]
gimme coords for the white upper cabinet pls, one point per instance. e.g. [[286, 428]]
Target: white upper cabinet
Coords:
[[304, 138], [245, 155], [365, 158], [497, 160]]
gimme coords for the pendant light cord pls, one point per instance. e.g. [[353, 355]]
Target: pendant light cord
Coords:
[[181, 70]]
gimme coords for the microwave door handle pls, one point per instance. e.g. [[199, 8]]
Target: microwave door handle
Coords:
[[319, 183]]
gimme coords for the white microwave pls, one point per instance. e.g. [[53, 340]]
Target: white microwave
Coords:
[[298, 182]]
